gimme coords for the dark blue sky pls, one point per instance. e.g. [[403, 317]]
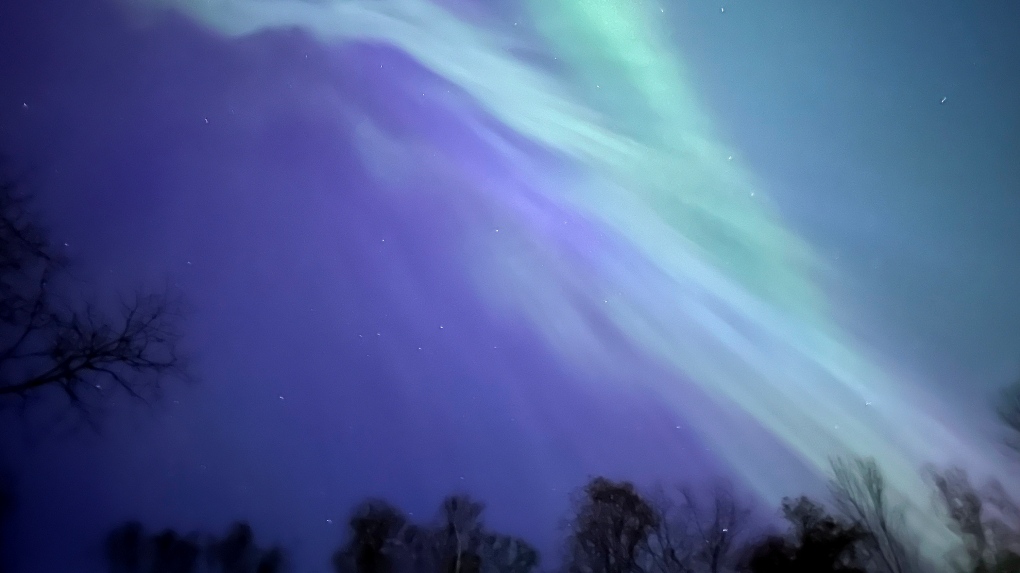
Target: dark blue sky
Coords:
[[311, 293]]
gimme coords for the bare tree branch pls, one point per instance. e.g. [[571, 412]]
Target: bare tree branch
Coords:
[[986, 520], [671, 547], [715, 524], [859, 492], [72, 349]]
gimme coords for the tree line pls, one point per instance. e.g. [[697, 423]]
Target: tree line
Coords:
[[73, 355], [615, 527]]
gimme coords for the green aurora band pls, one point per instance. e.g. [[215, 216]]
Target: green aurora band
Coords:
[[711, 284]]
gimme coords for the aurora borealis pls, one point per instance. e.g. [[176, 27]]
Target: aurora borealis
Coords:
[[506, 221]]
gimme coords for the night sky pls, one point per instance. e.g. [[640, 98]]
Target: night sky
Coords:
[[501, 246]]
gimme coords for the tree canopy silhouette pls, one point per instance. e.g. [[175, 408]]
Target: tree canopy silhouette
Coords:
[[381, 539], [610, 529], [987, 522], [71, 347], [130, 550], [374, 541], [817, 543], [453, 543]]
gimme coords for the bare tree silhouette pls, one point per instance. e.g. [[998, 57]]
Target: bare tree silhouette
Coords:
[[459, 535], [75, 349], [670, 545], [382, 540], [715, 526], [453, 543], [988, 521], [702, 533], [859, 492], [1002, 520], [964, 508]]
